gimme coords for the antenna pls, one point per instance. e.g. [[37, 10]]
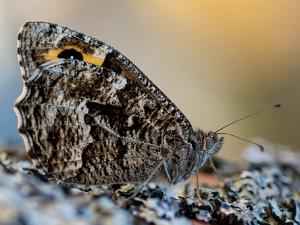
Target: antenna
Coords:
[[248, 116], [252, 142]]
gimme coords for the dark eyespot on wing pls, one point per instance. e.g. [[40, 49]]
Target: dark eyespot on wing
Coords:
[[70, 54]]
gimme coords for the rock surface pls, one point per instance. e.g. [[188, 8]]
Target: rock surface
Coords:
[[267, 192]]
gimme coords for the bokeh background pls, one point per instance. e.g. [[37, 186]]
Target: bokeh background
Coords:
[[217, 60]]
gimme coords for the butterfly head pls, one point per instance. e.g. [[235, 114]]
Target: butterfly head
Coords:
[[212, 143], [209, 142], [204, 145]]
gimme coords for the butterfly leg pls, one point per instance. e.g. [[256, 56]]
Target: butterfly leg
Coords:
[[213, 166], [167, 172], [142, 185], [161, 165]]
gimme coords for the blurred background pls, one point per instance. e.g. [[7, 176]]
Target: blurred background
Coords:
[[217, 60]]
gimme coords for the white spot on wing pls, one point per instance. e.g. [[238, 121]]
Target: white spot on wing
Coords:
[[59, 37], [117, 84]]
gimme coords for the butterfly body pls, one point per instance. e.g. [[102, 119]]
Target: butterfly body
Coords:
[[88, 115]]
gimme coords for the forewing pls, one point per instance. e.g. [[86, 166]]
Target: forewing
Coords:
[[98, 120], [40, 42]]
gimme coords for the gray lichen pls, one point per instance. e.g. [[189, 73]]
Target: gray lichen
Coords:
[[264, 193]]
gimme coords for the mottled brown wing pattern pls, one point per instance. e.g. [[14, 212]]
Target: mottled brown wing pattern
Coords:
[[98, 126], [36, 41], [92, 120]]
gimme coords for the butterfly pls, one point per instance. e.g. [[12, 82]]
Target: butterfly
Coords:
[[88, 115]]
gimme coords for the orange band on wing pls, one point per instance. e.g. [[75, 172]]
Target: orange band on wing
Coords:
[[52, 54]]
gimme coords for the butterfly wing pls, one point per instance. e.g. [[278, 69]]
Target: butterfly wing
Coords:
[[89, 115]]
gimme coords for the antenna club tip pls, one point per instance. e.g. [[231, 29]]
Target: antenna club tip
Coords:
[[278, 105]]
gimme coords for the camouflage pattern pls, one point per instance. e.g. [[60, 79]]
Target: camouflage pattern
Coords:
[[88, 115]]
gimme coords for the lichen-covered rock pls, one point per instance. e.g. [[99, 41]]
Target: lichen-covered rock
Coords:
[[265, 193], [26, 199]]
